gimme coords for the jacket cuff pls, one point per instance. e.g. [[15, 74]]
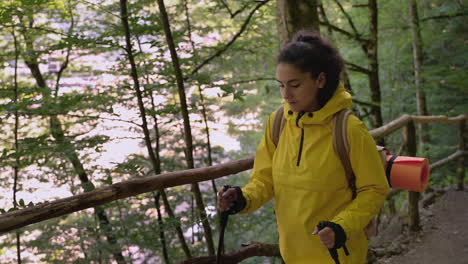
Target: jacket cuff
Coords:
[[239, 204], [248, 200], [340, 234]]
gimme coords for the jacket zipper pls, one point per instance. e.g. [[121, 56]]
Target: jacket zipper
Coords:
[[302, 139]]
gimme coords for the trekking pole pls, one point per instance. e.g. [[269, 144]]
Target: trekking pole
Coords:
[[223, 222]]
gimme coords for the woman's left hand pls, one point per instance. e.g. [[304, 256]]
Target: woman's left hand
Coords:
[[326, 235]]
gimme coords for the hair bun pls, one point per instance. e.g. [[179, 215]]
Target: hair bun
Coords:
[[307, 36]]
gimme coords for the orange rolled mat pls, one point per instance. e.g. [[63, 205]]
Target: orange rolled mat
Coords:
[[409, 173]]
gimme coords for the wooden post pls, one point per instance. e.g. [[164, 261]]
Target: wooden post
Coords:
[[413, 197], [461, 160]]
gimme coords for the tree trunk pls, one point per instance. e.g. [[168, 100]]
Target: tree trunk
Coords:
[[374, 84], [16, 167], [202, 100], [187, 130], [69, 152], [418, 81], [136, 84], [162, 237], [126, 233], [157, 170], [293, 15]]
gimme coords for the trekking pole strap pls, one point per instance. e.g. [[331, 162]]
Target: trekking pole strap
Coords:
[[340, 239]]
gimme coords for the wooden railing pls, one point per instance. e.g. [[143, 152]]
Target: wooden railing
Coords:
[[43, 211]]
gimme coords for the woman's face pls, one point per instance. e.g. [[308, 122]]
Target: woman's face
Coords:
[[298, 88]]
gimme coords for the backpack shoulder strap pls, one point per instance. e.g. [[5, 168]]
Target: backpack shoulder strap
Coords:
[[278, 124], [341, 146]]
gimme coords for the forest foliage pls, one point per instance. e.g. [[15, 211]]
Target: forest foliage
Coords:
[[71, 122]]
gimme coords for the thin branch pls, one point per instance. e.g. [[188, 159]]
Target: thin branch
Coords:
[[222, 50], [344, 32], [98, 7], [16, 167], [226, 6], [241, 82], [52, 31], [239, 11], [251, 80], [124, 138], [445, 16], [69, 46], [324, 17], [359, 102], [104, 118], [348, 17], [80, 116], [162, 236], [357, 68]]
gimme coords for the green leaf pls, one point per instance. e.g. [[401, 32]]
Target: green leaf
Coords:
[[21, 203]]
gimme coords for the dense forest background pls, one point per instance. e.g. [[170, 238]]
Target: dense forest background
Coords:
[[98, 92]]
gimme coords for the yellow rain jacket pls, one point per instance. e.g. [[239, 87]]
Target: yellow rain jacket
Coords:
[[307, 180]]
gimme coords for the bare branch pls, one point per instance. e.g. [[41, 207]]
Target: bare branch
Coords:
[[357, 68], [98, 7], [359, 102], [254, 249], [252, 80], [233, 15], [69, 46], [104, 118], [445, 16], [361, 5], [226, 6], [344, 32], [238, 34], [348, 17], [52, 31]]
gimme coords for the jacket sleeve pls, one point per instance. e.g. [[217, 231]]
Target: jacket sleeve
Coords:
[[371, 182], [259, 190]]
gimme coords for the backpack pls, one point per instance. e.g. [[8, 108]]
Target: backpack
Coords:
[[341, 146]]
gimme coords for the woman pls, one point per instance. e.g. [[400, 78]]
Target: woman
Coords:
[[303, 172]]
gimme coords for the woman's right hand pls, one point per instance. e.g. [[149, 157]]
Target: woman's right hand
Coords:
[[226, 198]]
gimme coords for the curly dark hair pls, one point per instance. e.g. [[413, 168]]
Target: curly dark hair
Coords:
[[310, 52]]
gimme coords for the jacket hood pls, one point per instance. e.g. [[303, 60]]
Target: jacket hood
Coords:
[[340, 100]]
